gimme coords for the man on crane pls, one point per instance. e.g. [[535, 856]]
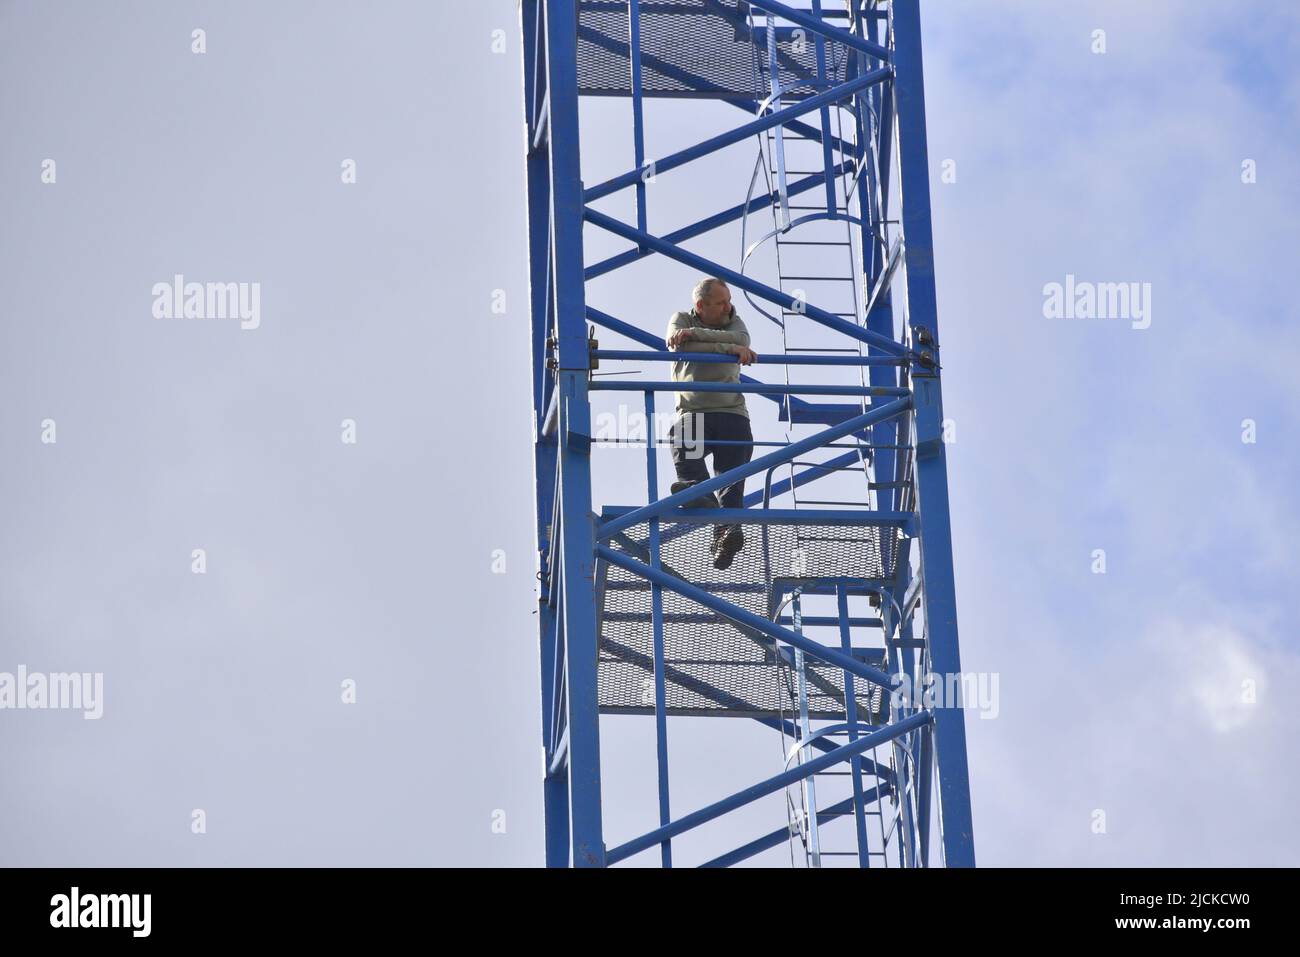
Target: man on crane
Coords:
[[705, 419]]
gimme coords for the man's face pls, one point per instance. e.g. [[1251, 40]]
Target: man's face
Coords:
[[714, 308]]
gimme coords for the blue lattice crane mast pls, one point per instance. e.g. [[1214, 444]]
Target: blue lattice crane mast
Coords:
[[836, 606]]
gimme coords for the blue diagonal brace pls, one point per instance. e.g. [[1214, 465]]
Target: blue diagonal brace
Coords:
[[655, 342], [760, 464], [763, 788], [745, 617], [817, 25], [739, 133], [741, 281], [782, 834]]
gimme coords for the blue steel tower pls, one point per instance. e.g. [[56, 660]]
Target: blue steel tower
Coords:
[[837, 623]]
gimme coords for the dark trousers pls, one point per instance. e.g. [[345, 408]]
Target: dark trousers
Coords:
[[693, 441]]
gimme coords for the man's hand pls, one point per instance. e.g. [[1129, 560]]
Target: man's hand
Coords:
[[678, 338], [746, 355]]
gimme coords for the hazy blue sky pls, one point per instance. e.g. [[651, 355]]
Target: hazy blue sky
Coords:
[[372, 561]]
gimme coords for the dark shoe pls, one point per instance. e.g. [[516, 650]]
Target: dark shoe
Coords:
[[728, 540], [708, 500]]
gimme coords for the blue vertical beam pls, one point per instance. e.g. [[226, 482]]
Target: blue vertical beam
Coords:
[[903, 660], [875, 252], [555, 787], [824, 114], [638, 129], [851, 715], [924, 782], [906, 662], [577, 557], [931, 463], [657, 629]]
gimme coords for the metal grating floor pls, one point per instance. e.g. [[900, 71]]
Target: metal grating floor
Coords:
[[715, 667], [693, 48]]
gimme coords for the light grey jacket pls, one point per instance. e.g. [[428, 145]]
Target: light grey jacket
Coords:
[[729, 337]]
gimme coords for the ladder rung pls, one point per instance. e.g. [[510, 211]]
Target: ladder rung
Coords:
[[812, 242], [821, 278]]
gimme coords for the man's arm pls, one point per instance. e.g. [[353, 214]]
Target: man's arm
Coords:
[[733, 341], [676, 323], [744, 353], [683, 336], [737, 334]]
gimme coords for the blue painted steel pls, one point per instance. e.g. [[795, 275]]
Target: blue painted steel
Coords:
[[804, 19], [578, 559], [657, 343], [694, 80], [748, 618], [734, 278], [555, 786], [883, 94], [708, 223], [657, 631], [738, 134], [824, 114], [781, 835], [931, 469], [763, 462], [766, 388], [851, 712], [638, 134], [763, 788], [768, 516], [781, 358]]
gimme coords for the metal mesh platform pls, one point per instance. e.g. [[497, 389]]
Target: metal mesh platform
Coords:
[[694, 48], [713, 666]]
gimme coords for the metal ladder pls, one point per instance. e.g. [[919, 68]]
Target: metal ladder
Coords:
[[807, 251], [810, 809]]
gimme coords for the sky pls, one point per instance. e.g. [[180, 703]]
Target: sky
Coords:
[[353, 678]]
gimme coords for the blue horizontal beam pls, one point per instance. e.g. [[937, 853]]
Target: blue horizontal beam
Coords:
[[766, 388], [779, 359], [773, 516], [739, 133], [655, 342], [826, 620], [764, 788], [753, 443]]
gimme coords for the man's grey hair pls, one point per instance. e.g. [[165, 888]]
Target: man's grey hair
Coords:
[[704, 287]]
